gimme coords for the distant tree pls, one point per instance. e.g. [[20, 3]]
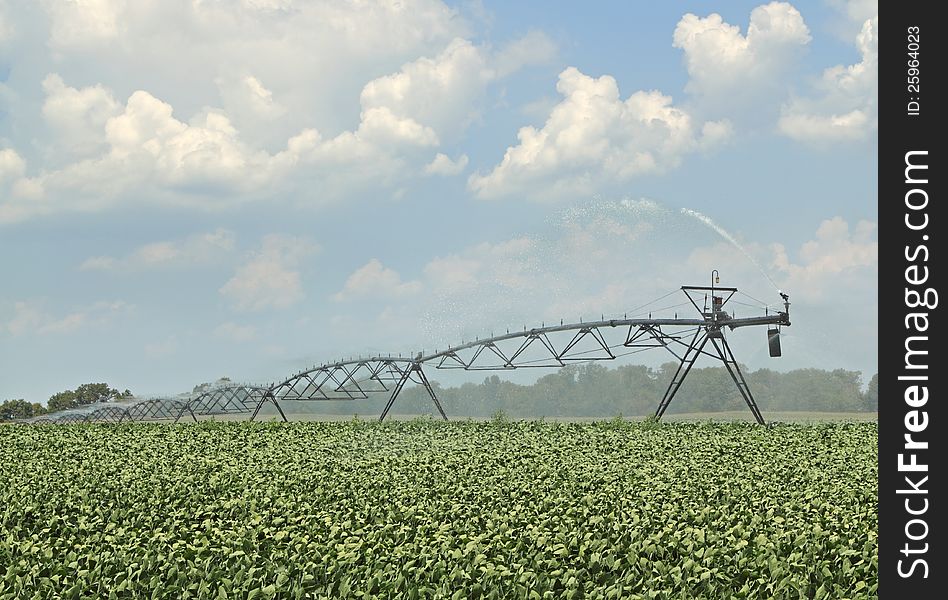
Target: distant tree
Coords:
[[87, 393], [62, 401], [870, 398], [90, 393], [18, 409]]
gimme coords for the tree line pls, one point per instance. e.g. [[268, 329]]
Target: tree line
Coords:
[[85, 394], [577, 390], [594, 390]]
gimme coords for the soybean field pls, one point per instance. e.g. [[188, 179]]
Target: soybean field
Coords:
[[426, 509]]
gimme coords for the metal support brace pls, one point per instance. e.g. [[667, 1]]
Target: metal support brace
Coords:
[[434, 398], [398, 388], [406, 375], [687, 361], [268, 396], [727, 357]]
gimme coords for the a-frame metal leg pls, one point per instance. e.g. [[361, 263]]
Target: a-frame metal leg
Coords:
[[273, 399], [434, 398], [181, 414], [395, 391], [687, 361], [727, 357], [415, 368]]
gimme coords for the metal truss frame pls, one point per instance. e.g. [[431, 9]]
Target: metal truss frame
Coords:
[[545, 346], [684, 338]]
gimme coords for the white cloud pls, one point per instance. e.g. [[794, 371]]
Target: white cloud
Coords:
[[84, 22], [26, 317], [31, 318], [593, 138], [12, 165], [206, 151], [7, 31], [270, 279], [837, 261], [19, 194], [381, 126], [844, 107], [375, 280], [309, 58], [445, 93], [162, 349], [195, 250], [502, 263], [217, 114], [440, 92], [725, 66], [453, 272], [77, 117], [233, 332], [149, 151], [247, 96], [443, 165], [831, 259], [532, 49]]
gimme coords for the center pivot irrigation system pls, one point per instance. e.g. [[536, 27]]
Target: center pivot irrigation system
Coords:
[[686, 338]]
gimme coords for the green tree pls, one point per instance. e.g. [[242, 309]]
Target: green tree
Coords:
[[85, 394], [18, 409], [90, 393], [62, 401], [870, 399]]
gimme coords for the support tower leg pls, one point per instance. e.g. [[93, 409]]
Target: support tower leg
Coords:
[[395, 391], [414, 368], [273, 399], [687, 361], [434, 398], [727, 357]]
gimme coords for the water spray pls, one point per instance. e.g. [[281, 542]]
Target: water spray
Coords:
[[706, 220]]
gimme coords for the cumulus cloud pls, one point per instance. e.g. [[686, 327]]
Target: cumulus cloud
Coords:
[[77, 117], [839, 259], [445, 92], [31, 318], [12, 165], [19, 194], [216, 114], [844, 106], [592, 138], [143, 146], [233, 332], [375, 280], [270, 279], [84, 22], [195, 250], [831, 258], [443, 165], [533, 48], [431, 90], [7, 31], [246, 96], [503, 263], [725, 66], [162, 349], [146, 149]]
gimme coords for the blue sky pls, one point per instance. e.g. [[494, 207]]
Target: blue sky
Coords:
[[190, 190]]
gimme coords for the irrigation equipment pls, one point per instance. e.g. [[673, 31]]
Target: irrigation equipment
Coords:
[[702, 332]]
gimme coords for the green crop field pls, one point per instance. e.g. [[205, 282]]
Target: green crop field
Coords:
[[429, 509]]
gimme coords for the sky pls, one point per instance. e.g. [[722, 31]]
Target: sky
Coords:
[[192, 189]]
